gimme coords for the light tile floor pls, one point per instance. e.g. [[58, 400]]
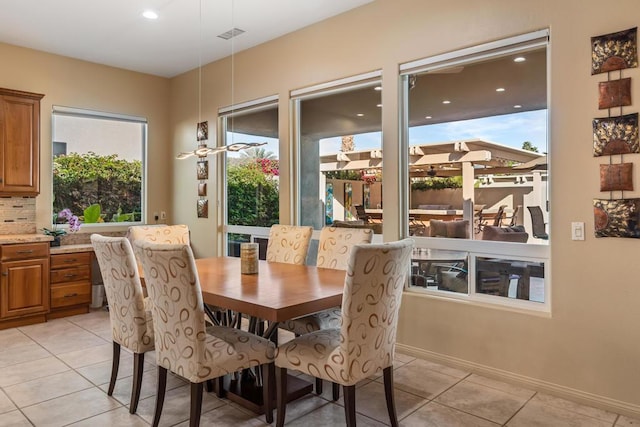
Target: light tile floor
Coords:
[[57, 373]]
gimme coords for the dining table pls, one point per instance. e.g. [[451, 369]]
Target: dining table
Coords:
[[278, 292]]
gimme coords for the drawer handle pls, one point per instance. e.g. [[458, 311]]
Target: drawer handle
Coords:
[[26, 251], [75, 294], [70, 275], [70, 260], [4, 273]]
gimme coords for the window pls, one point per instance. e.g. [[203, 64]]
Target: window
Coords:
[[476, 126], [98, 169], [340, 156], [252, 175]]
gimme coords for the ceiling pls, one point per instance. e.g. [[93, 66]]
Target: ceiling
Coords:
[[114, 32]]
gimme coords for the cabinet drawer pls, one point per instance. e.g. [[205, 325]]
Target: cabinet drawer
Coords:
[[24, 251], [70, 260], [73, 274], [71, 294]]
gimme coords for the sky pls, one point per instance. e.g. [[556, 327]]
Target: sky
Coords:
[[509, 129]]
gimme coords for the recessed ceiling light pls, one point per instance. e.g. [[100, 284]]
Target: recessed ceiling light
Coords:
[[150, 14], [377, 88], [360, 115], [517, 106], [500, 89], [379, 105], [428, 117], [519, 59], [446, 101]]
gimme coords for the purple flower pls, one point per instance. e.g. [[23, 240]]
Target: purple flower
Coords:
[[74, 224], [65, 214]]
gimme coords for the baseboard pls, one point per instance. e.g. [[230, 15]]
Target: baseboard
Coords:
[[602, 402]]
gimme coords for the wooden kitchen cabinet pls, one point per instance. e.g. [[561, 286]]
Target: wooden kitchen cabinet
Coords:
[[70, 284], [24, 284], [19, 143]]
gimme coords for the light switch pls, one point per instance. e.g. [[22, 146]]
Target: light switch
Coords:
[[577, 231]]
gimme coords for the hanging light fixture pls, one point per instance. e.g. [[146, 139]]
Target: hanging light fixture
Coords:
[[202, 132]]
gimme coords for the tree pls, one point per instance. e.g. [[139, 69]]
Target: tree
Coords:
[[252, 194], [257, 153], [529, 146], [82, 180]]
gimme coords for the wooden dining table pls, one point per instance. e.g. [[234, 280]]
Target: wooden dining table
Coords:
[[278, 292]]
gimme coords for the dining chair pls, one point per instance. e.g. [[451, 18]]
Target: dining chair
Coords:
[[288, 243], [161, 233], [364, 344], [129, 311], [334, 249], [183, 345]]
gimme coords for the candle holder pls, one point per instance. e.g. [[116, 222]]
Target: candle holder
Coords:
[[249, 258]]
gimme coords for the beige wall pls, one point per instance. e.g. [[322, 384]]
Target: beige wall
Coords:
[[589, 347], [72, 83]]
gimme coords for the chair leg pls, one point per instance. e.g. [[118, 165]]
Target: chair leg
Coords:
[[138, 369], [318, 386], [350, 404], [196, 404], [220, 387], [281, 394], [162, 385], [268, 376], [336, 391], [209, 385], [388, 393], [115, 364]]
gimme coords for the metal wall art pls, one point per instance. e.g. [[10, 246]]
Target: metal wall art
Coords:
[[616, 135], [203, 131], [614, 93], [618, 177], [203, 169], [203, 208], [615, 51], [616, 218], [202, 189]]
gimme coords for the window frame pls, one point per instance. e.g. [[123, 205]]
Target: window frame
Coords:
[[60, 110], [475, 248]]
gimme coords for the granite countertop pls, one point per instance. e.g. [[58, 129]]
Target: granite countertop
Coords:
[[6, 239], [68, 249]]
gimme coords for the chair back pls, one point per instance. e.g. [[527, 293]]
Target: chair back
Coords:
[[178, 311], [497, 221], [336, 244], [361, 213], [288, 244], [131, 327], [375, 278], [165, 234], [537, 223]]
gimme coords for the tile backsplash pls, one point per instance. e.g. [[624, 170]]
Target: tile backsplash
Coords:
[[17, 215]]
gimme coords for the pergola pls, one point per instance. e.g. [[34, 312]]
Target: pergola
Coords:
[[467, 158]]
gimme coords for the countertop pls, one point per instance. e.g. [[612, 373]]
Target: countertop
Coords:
[[68, 249], [6, 239]]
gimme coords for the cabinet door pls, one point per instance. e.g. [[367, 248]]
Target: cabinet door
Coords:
[[24, 287], [20, 125]]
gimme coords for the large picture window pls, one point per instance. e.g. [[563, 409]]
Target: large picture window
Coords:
[[476, 126], [98, 168], [252, 175]]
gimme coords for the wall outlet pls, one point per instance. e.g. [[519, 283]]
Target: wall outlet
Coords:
[[155, 216], [163, 215]]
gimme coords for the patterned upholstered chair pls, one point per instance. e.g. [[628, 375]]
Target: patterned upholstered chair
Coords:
[[129, 311], [288, 244], [364, 344], [167, 234], [333, 252], [183, 346]]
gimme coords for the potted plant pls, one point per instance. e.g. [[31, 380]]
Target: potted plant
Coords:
[[61, 217]]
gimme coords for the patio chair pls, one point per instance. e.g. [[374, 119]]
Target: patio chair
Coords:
[[497, 221], [362, 214], [537, 223]]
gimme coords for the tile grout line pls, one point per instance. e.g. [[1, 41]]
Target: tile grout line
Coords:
[[520, 409]]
